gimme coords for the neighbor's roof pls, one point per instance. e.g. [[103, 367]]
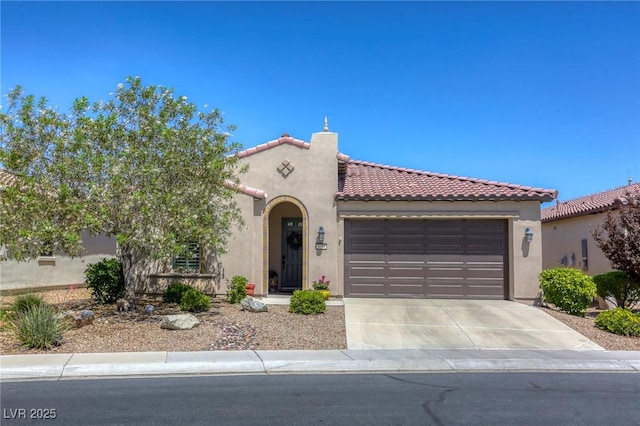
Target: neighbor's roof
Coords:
[[368, 181], [594, 203]]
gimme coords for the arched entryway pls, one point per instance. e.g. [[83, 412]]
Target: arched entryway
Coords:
[[285, 243]]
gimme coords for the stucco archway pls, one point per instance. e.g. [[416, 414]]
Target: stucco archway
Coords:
[[266, 237]]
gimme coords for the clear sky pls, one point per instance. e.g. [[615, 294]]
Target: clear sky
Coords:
[[535, 93]]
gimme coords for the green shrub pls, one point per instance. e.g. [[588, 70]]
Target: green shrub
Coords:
[[174, 292], [25, 302], [619, 321], [307, 302], [237, 289], [39, 326], [193, 300], [106, 281], [571, 290], [618, 287]]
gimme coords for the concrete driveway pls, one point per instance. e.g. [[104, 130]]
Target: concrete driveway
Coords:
[[455, 324]]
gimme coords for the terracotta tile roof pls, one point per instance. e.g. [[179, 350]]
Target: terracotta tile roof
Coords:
[[369, 181], [255, 193], [285, 138], [588, 204]]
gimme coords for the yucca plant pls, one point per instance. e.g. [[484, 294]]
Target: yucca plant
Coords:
[[25, 302], [39, 326]]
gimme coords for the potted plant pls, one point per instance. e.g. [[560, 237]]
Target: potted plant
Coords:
[[250, 289], [273, 281], [322, 285]]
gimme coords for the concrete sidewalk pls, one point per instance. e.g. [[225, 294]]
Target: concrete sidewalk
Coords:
[[136, 364]]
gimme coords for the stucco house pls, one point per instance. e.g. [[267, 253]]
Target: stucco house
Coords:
[[380, 231], [50, 270], [373, 230], [567, 225]]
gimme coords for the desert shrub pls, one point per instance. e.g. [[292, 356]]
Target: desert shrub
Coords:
[[571, 290], [307, 302], [237, 289], [619, 321], [4, 316], [174, 292], [194, 300], [106, 281], [25, 302], [616, 286], [39, 326]]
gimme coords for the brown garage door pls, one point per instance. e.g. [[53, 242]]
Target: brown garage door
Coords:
[[461, 258]]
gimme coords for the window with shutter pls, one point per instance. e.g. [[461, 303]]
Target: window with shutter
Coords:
[[190, 259]]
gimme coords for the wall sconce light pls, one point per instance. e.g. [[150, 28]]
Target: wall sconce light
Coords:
[[528, 233], [320, 244]]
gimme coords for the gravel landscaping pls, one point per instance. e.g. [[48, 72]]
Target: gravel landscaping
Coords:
[[226, 327]]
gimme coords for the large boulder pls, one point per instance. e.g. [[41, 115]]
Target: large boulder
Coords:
[[179, 322], [253, 305], [79, 319]]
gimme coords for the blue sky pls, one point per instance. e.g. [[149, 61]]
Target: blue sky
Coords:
[[535, 93]]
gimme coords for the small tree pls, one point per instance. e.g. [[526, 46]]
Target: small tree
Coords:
[[617, 287], [146, 167], [619, 237]]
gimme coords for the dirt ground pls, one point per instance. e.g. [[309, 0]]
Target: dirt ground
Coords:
[[226, 327]]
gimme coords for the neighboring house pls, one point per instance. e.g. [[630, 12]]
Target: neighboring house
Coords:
[[51, 270], [566, 230], [379, 231]]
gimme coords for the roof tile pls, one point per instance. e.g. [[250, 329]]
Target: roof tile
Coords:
[[284, 139], [588, 204], [370, 181]]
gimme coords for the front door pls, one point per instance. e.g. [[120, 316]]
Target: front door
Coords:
[[291, 278]]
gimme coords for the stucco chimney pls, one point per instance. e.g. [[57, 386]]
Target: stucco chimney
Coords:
[[630, 180]]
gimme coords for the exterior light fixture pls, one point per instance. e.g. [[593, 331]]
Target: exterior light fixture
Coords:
[[528, 233], [320, 244]]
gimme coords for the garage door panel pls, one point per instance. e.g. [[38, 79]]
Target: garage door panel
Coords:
[[484, 226], [368, 273], [484, 292], [426, 258], [406, 290], [449, 290]]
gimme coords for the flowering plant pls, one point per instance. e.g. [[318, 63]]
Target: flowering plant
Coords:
[[321, 284]]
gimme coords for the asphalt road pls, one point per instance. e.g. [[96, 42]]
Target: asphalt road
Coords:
[[372, 399]]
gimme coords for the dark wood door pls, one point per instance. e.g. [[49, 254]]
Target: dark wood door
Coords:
[[292, 240]]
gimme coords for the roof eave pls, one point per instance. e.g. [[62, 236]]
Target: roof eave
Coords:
[[367, 197]]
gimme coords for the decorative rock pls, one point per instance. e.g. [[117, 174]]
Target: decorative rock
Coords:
[[179, 322], [252, 305], [122, 305], [149, 309], [79, 319]]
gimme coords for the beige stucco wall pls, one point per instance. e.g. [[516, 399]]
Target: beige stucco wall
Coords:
[[54, 271], [525, 259], [311, 186], [564, 238]]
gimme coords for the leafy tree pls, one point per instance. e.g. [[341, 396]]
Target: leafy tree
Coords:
[[619, 237], [146, 167]]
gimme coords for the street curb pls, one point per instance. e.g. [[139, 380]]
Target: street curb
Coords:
[[148, 364]]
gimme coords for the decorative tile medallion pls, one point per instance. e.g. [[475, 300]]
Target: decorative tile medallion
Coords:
[[285, 168]]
